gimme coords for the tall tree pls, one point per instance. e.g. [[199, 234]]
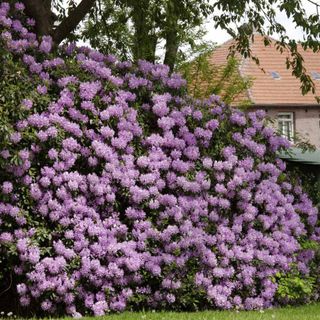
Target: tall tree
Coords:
[[150, 23]]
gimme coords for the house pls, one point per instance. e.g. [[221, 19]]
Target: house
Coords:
[[276, 90]]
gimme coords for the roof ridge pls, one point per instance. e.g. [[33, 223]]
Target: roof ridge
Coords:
[[250, 41]]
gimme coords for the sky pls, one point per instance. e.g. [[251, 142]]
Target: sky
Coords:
[[219, 36]]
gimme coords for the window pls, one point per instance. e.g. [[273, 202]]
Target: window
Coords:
[[275, 75], [315, 75], [286, 125]]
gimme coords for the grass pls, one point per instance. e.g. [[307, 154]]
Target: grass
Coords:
[[307, 312]]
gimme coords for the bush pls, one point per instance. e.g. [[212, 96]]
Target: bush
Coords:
[[118, 191]]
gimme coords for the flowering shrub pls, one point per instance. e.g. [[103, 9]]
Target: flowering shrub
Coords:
[[117, 190]]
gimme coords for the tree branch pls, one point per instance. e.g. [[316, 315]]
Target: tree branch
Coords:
[[72, 21], [316, 4]]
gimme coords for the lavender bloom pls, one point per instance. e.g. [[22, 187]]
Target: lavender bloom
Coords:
[[7, 187]]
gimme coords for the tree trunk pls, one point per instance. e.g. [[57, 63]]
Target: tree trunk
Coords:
[[172, 40], [145, 40], [40, 11]]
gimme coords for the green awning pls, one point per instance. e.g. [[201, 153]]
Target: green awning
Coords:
[[296, 155]]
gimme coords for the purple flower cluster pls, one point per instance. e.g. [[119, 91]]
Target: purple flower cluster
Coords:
[[136, 189]]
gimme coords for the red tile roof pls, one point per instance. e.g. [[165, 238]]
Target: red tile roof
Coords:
[[265, 90]]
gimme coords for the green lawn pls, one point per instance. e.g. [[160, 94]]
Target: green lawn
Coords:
[[307, 312]]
